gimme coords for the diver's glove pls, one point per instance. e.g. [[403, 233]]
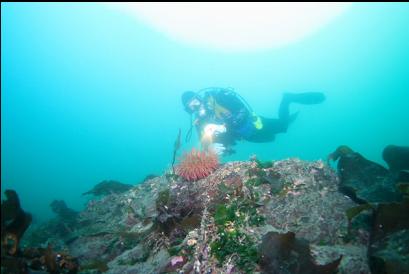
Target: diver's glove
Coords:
[[214, 130], [217, 148], [219, 129]]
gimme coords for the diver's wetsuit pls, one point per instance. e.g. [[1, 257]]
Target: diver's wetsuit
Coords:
[[224, 106], [272, 126]]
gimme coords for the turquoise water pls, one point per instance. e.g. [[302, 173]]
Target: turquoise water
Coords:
[[89, 94]]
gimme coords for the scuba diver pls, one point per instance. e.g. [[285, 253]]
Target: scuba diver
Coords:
[[222, 117]]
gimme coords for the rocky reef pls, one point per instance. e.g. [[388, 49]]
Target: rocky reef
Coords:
[[224, 223], [108, 187], [288, 216]]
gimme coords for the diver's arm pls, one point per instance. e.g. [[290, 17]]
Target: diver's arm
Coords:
[[205, 141], [212, 136], [200, 125]]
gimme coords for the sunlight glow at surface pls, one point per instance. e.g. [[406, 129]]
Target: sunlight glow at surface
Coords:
[[235, 26]]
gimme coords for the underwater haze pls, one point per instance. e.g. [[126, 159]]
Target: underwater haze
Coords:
[[89, 94]]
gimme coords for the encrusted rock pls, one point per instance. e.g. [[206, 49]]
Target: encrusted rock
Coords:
[[142, 229]]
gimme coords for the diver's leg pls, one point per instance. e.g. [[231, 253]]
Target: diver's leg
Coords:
[[267, 133], [305, 98], [273, 126], [284, 110], [284, 117]]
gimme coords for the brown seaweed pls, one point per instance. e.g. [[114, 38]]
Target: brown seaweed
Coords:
[[389, 243], [176, 147], [14, 222], [363, 180], [284, 253]]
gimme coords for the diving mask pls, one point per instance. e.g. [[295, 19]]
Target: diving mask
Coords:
[[194, 104]]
